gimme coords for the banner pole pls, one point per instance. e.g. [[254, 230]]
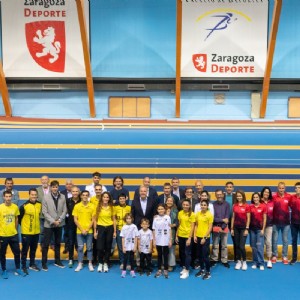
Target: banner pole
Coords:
[[178, 57], [269, 63], [4, 93], [87, 61]]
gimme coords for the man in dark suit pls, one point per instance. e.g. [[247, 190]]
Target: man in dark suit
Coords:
[[143, 208], [176, 190], [167, 192], [54, 209], [151, 191], [67, 192]]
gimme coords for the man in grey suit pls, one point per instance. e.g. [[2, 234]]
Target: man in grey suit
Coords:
[[54, 209], [43, 190]]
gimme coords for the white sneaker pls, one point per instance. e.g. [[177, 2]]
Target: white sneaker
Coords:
[[105, 268], [238, 265], [100, 268], [182, 271], [269, 264], [79, 267], [244, 266], [91, 267], [185, 274], [262, 268], [254, 267]]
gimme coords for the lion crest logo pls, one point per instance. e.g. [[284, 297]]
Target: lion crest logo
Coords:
[[47, 43], [47, 40]]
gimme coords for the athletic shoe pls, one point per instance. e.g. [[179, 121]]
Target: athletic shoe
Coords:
[[132, 274], [4, 274], [121, 266], [44, 267], [238, 265], [25, 271], [105, 268], [123, 274], [100, 268], [226, 265], [206, 276], [293, 261], [34, 268], [200, 273], [59, 264], [182, 271], [213, 263], [197, 267], [262, 268], [274, 260], [285, 261], [79, 267], [269, 264], [166, 274], [185, 275], [148, 273], [70, 265], [170, 269], [91, 267], [158, 274], [244, 266], [19, 272], [254, 267], [128, 268]]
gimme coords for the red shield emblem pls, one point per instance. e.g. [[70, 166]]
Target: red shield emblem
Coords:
[[200, 62], [46, 41]]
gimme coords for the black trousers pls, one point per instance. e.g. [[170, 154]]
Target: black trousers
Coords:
[[145, 257], [72, 240], [128, 258], [184, 252], [240, 242], [29, 242], [104, 242], [13, 242], [203, 254], [48, 233], [162, 256]]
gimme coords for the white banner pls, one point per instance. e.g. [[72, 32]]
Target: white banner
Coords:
[[224, 38], [41, 38]]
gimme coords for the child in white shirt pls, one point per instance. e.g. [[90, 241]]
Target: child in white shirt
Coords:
[[145, 240], [162, 239], [129, 234]]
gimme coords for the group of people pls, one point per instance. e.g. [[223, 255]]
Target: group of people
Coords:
[[95, 218]]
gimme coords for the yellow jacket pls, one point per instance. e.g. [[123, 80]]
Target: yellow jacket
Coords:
[[29, 218]]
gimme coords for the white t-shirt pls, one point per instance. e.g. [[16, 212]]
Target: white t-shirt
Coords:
[[145, 238], [210, 208], [129, 233], [162, 229]]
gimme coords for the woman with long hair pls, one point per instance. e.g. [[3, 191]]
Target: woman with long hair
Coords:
[[172, 211], [258, 217], [240, 228], [104, 230], [266, 197]]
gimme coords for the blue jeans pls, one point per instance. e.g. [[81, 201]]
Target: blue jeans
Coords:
[[257, 245], [295, 230], [88, 240], [284, 232], [119, 244]]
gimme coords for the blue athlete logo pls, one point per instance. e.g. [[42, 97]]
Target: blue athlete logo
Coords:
[[223, 24]]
